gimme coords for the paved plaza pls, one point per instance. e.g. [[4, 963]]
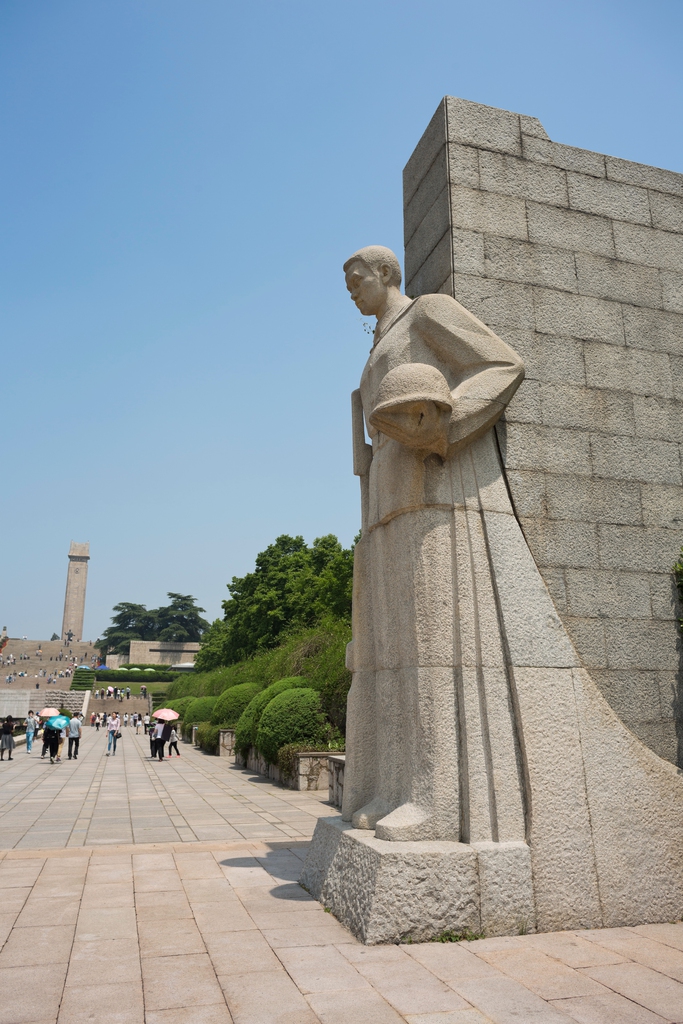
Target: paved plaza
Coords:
[[135, 892], [129, 798]]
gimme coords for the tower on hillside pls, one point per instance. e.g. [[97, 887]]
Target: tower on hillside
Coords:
[[74, 602]]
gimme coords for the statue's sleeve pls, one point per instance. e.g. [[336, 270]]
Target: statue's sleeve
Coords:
[[485, 370]]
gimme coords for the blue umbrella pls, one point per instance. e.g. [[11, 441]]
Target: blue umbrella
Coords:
[[58, 722]]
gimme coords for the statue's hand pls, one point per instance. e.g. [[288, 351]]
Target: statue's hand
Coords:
[[419, 423]]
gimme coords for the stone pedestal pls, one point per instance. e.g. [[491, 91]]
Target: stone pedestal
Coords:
[[388, 892]]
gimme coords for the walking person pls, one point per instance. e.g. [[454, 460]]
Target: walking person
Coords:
[[62, 737], [113, 728], [7, 739], [51, 741], [173, 742], [146, 724], [97, 722], [162, 740], [125, 720], [75, 732], [154, 737], [31, 725], [46, 742]]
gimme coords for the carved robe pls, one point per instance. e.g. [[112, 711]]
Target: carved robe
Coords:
[[435, 751]]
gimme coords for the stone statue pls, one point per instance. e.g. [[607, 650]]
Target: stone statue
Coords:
[[488, 784], [430, 692]]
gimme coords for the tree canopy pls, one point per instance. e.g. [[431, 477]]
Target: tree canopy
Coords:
[[180, 621], [293, 585]]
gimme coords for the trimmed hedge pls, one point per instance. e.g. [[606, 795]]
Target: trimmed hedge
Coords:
[[247, 726], [317, 652], [207, 737], [83, 679], [294, 716], [181, 705], [115, 676], [205, 684], [199, 710], [232, 702]]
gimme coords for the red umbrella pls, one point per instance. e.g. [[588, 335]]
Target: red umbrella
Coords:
[[166, 715]]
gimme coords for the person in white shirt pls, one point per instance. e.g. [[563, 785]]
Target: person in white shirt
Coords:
[[156, 738], [113, 727], [173, 742]]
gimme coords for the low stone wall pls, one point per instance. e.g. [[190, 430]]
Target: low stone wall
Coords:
[[72, 700], [311, 774], [18, 702], [335, 771]]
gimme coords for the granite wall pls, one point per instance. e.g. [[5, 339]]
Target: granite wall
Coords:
[[575, 259]]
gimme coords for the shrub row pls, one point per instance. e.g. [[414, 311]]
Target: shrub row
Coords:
[[114, 677], [208, 737], [291, 697], [318, 653]]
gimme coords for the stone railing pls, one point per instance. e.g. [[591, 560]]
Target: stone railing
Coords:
[[335, 771], [311, 772], [226, 743]]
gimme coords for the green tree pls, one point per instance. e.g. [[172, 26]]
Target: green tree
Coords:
[[292, 585], [180, 621]]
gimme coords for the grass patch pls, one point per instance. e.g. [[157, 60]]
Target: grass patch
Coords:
[[464, 935]]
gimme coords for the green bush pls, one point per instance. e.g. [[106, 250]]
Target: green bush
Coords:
[[294, 716], [199, 710], [207, 684], [207, 737], [115, 677], [181, 705], [247, 726], [231, 703], [318, 653], [184, 685], [83, 679]]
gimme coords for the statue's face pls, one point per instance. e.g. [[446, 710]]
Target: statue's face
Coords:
[[366, 288]]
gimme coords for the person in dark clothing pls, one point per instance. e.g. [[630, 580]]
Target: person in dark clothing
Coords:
[[6, 738], [153, 739], [51, 738], [165, 737]]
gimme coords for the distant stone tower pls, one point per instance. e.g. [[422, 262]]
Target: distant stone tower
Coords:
[[74, 602]]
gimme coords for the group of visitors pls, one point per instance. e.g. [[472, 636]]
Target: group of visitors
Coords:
[[53, 740], [136, 720], [118, 693], [161, 734]]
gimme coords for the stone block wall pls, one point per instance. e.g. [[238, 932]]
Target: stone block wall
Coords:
[[575, 259]]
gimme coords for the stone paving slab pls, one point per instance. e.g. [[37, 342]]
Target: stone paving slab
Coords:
[[217, 930]]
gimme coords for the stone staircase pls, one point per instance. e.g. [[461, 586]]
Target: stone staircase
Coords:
[[54, 657]]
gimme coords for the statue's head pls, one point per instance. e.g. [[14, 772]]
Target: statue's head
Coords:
[[371, 273]]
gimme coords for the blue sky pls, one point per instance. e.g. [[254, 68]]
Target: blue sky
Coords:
[[182, 181]]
